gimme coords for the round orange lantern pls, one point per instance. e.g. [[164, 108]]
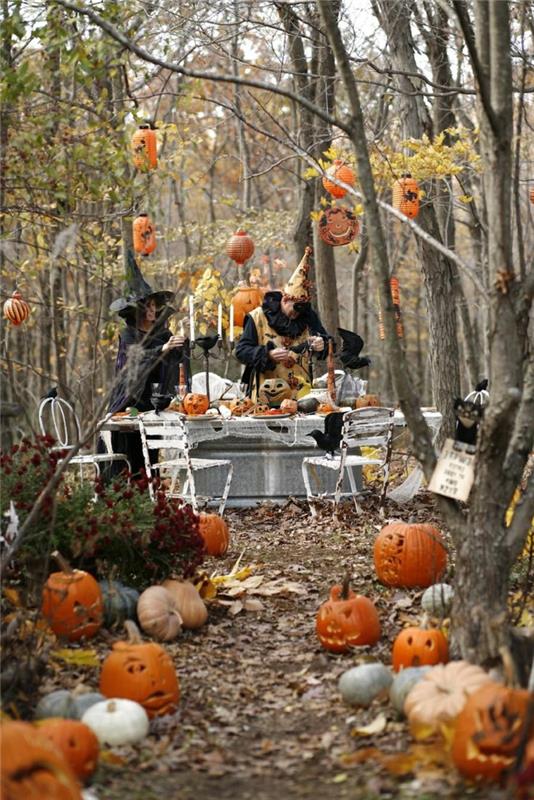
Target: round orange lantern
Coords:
[[341, 171], [144, 148], [244, 300], [16, 310], [144, 235], [240, 247], [406, 196], [531, 195]]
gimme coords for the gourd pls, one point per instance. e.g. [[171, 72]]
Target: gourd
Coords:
[[120, 602], [346, 620], [415, 647], [441, 694], [62, 703], [141, 671], [76, 741], [191, 607], [195, 404], [117, 722], [72, 602], [360, 685], [215, 534], [31, 767], [437, 599], [409, 555], [403, 683], [158, 614]]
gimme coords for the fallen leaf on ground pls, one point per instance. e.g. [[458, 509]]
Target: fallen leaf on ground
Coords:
[[378, 725]]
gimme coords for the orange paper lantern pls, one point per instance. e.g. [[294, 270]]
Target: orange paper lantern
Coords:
[[144, 148], [240, 247], [406, 196], [16, 310], [341, 171], [144, 235]]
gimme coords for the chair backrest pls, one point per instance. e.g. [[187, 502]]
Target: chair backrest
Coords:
[[58, 418], [160, 433], [371, 426]]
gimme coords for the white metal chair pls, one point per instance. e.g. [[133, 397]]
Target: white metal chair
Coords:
[[160, 433], [365, 427], [58, 418]]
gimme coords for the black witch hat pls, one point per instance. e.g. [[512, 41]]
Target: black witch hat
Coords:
[[137, 291]]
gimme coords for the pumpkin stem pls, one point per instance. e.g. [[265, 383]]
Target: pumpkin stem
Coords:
[[134, 636], [345, 587], [62, 562]]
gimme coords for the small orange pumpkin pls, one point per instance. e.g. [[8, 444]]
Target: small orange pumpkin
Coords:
[[144, 148], [240, 247], [240, 406], [341, 171], [289, 406], [215, 533], [325, 408], [72, 602], [244, 300], [195, 404], [346, 620], [144, 235], [16, 310], [418, 647], [367, 400], [409, 555], [406, 196], [76, 741], [143, 672]]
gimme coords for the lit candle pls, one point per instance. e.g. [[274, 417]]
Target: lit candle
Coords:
[[231, 323], [219, 320], [191, 319]]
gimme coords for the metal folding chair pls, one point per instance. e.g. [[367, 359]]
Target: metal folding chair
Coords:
[[365, 427], [163, 434]]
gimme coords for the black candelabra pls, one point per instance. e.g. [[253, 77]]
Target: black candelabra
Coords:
[[207, 343]]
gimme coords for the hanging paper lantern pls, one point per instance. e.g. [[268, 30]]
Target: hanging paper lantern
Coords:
[[341, 171], [406, 196], [240, 247], [531, 195], [395, 298], [16, 310], [338, 226], [144, 148], [244, 300], [144, 235]]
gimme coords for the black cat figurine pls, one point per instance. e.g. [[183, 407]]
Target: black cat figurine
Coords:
[[468, 417]]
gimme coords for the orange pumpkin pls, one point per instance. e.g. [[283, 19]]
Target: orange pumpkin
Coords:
[[240, 406], [289, 406], [346, 620], [367, 400], [341, 171], [16, 310], [244, 300], [325, 408], [409, 555], [489, 729], [76, 741], [240, 247], [418, 647], [195, 404], [72, 602], [144, 235], [215, 533], [32, 768], [144, 148], [143, 672], [406, 196]]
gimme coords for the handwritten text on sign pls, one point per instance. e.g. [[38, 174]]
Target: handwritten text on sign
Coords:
[[454, 473]]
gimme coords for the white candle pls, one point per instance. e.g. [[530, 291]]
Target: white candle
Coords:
[[219, 320], [182, 331], [231, 323], [191, 319]]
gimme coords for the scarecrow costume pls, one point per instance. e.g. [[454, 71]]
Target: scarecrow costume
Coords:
[[267, 328]]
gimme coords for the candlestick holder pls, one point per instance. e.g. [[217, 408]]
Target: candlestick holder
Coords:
[[207, 343]]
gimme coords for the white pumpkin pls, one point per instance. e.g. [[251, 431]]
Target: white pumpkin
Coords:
[[403, 682], [117, 721], [437, 599], [360, 685]]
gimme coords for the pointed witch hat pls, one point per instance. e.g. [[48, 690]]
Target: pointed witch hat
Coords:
[[137, 291], [298, 286]]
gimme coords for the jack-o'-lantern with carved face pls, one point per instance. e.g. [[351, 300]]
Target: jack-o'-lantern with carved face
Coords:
[[338, 226], [195, 404], [240, 406], [274, 390]]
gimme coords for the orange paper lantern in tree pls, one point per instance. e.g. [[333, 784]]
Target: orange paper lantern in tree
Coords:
[[409, 555], [406, 196], [244, 300], [531, 195], [72, 602], [16, 310], [144, 235], [144, 148], [240, 247], [341, 171], [346, 620], [214, 531], [418, 647]]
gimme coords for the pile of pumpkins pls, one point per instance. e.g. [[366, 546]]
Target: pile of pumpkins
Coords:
[[485, 720]]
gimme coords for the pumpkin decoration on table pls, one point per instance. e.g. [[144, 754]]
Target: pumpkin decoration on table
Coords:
[[117, 722], [120, 602], [489, 729], [195, 404], [191, 606], [289, 406], [141, 671], [144, 235], [145, 148], [76, 741], [245, 299], [341, 171], [409, 554], [215, 534], [72, 602], [240, 247], [274, 390], [347, 620], [16, 310], [65, 704], [367, 401], [158, 614], [325, 408], [405, 196], [338, 226], [240, 406], [439, 697], [32, 768], [416, 647]]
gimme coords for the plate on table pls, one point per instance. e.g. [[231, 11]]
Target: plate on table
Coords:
[[189, 417], [271, 416]]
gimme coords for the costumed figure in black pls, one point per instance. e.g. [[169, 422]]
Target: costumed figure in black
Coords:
[[280, 336]]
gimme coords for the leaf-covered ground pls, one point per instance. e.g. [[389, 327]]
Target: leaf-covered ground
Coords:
[[260, 716]]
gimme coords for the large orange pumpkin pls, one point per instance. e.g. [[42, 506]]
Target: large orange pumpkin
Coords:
[[215, 533], [244, 300], [195, 404], [16, 310], [144, 148], [341, 171], [143, 672], [144, 235], [72, 602], [406, 196], [419, 647], [410, 555], [32, 768], [346, 620], [76, 741], [240, 247]]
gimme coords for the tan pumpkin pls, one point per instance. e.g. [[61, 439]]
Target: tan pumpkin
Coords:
[[289, 406], [195, 404], [158, 614], [190, 605], [441, 694]]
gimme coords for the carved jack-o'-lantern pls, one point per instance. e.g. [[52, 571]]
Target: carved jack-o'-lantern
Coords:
[[195, 404], [143, 672], [417, 647], [275, 390], [338, 226], [261, 408], [240, 406]]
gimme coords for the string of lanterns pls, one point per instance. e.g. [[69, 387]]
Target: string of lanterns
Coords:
[[394, 288]]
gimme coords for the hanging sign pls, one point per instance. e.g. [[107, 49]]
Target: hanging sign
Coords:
[[455, 471]]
